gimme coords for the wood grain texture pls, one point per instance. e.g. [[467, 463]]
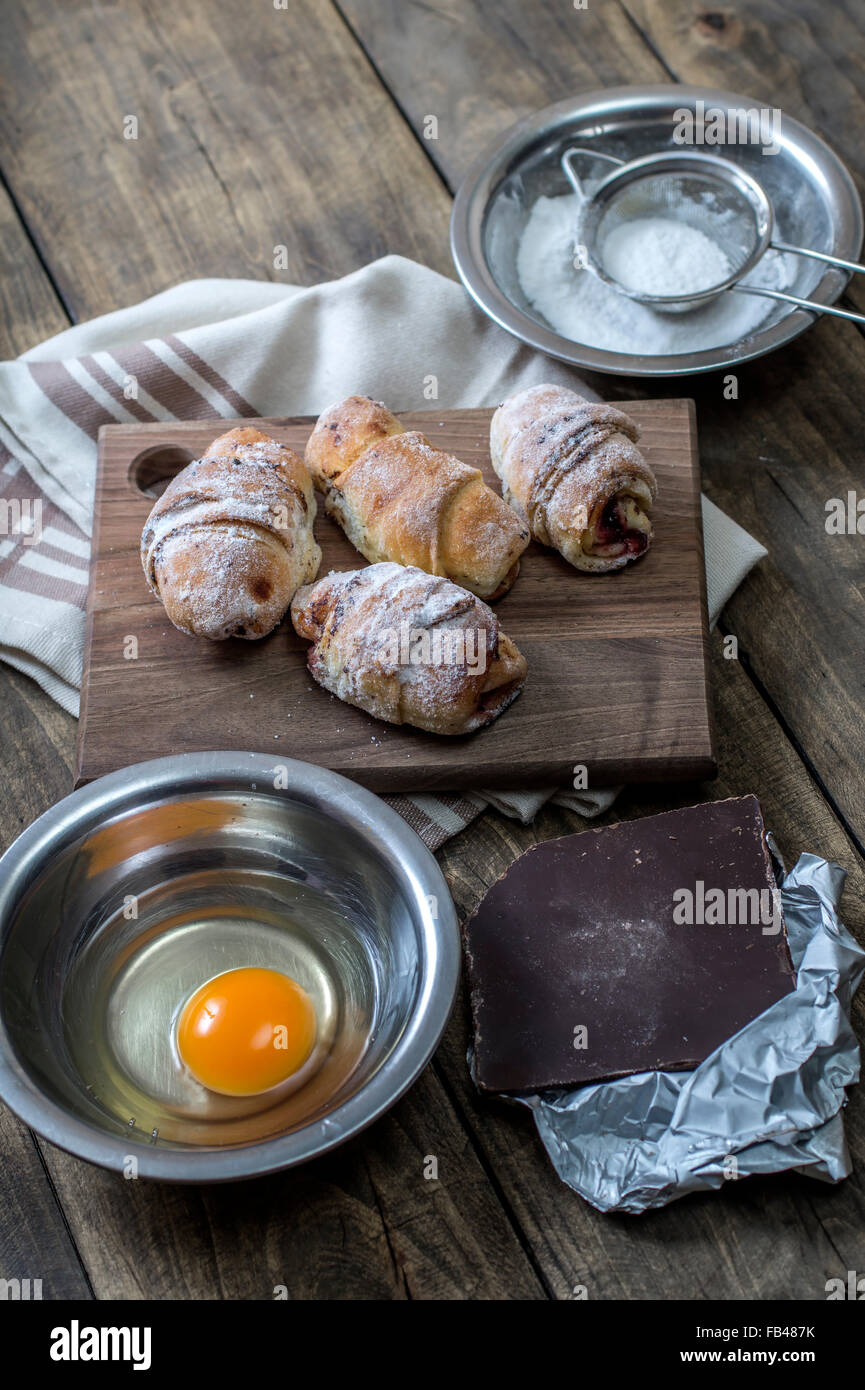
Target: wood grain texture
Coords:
[[34, 1240], [258, 128], [616, 681], [364, 1223], [797, 421], [30, 309], [37, 742], [36, 738], [368, 1221], [478, 67], [799, 616]]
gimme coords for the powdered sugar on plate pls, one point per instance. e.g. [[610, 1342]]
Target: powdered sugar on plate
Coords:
[[581, 307]]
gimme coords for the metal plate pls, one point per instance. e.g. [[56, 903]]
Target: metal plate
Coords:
[[814, 198]]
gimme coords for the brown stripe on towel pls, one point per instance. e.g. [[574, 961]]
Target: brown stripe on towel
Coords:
[[108, 384], [19, 487], [63, 391], [210, 375], [163, 384], [433, 834], [53, 517], [461, 806], [59, 554], [59, 587]]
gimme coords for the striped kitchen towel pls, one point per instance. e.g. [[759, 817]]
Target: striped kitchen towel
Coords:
[[222, 349]]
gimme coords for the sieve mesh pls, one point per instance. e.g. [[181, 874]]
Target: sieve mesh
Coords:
[[712, 206]]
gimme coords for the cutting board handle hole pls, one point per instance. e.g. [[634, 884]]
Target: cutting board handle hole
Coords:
[[152, 470]]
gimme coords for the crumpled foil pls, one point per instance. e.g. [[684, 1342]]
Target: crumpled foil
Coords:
[[767, 1100]]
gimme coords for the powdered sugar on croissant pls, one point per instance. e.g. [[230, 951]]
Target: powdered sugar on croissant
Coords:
[[399, 498], [409, 648], [230, 540], [572, 469]]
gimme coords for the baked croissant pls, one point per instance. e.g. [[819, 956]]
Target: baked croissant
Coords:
[[398, 498], [408, 647], [571, 468], [230, 540]]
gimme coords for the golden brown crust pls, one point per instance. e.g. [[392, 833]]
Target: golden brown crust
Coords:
[[398, 498], [408, 647], [343, 432], [230, 540], [572, 469]]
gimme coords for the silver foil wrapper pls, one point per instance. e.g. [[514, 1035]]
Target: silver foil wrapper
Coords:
[[768, 1100]]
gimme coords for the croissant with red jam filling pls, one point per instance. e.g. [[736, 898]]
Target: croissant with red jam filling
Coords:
[[572, 468]]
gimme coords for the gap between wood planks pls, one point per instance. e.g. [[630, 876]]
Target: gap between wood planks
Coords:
[[493, 1179], [37, 251], [794, 742], [67, 1228]]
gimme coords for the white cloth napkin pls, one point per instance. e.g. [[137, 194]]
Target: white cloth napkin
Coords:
[[220, 349]]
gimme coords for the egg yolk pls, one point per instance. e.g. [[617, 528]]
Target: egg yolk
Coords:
[[246, 1031]]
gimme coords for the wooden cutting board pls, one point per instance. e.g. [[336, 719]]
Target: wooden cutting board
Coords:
[[617, 663]]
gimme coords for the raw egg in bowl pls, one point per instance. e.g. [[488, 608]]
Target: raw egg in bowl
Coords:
[[217, 966]]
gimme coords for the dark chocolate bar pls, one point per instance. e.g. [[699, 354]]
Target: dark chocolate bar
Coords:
[[637, 947]]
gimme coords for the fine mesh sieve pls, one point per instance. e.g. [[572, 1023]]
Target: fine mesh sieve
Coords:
[[713, 196]]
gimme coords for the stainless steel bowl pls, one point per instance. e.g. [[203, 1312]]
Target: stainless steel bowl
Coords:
[[134, 888], [813, 196]]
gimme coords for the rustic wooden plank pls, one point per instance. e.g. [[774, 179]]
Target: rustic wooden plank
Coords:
[[478, 66], [37, 740], [802, 56], [30, 309], [450, 61], [800, 616], [34, 1240], [257, 128], [778, 1237], [617, 674], [774, 458], [373, 1220]]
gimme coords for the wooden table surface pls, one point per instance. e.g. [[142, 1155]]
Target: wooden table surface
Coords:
[[304, 126]]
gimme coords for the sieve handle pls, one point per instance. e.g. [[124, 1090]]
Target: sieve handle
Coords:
[[572, 175], [802, 303], [818, 256]]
